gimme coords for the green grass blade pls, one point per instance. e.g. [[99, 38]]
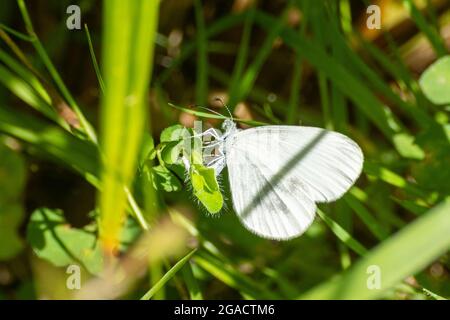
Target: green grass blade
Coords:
[[367, 218], [168, 275], [411, 206], [26, 75], [400, 256], [228, 275], [16, 33], [189, 48], [321, 40], [191, 283], [339, 108], [294, 97], [26, 93], [60, 146], [52, 141], [391, 178], [128, 39], [342, 234], [242, 55], [260, 95], [249, 77], [374, 80], [431, 33], [344, 80], [201, 89], [94, 59], [54, 72], [433, 295], [156, 272], [345, 14]]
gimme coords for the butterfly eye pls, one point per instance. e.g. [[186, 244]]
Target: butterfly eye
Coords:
[[228, 124]]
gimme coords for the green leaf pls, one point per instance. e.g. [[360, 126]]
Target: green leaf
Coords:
[[173, 133], [147, 149], [174, 140], [178, 170], [435, 81], [165, 180], [407, 148], [170, 153], [54, 240], [206, 188]]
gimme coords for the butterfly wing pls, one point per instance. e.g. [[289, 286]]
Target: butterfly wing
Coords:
[[277, 173]]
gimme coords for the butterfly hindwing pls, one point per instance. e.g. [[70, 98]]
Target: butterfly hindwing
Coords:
[[271, 209]]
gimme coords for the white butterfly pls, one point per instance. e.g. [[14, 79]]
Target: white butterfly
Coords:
[[278, 173]]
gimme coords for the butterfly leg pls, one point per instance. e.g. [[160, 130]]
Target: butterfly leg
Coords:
[[213, 133], [212, 149], [216, 161], [209, 132], [218, 164]]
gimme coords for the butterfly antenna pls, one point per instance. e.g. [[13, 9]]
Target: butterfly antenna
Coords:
[[226, 107], [210, 110]]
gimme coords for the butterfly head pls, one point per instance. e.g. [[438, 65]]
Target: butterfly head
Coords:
[[229, 125]]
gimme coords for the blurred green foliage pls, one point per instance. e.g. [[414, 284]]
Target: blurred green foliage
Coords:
[[284, 62], [12, 183]]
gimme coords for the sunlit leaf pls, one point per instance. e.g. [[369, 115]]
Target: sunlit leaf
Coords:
[[435, 81], [171, 152], [406, 146], [164, 180], [206, 188], [54, 240], [173, 133]]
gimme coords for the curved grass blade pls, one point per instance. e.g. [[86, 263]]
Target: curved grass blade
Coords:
[[403, 254], [215, 116], [169, 275]]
